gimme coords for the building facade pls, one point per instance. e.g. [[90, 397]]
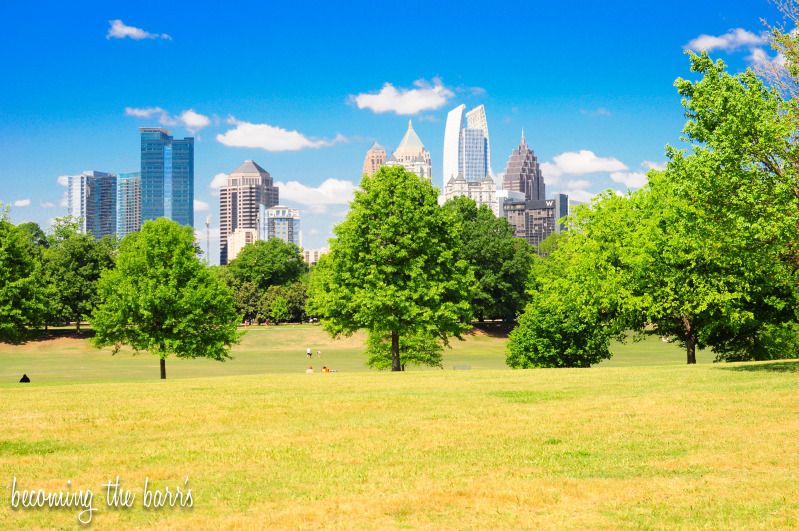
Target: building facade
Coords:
[[523, 173], [167, 176], [467, 157], [375, 158], [536, 220], [312, 256], [92, 199], [412, 155], [284, 223], [247, 192], [238, 239], [128, 203]]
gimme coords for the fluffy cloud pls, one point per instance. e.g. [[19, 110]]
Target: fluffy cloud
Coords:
[[47, 204], [629, 179], [760, 58], [600, 111], [201, 206], [424, 97], [218, 181], [330, 192], [119, 30], [22, 203], [730, 41], [63, 180], [191, 120], [649, 165], [580, 162], [270, 137]]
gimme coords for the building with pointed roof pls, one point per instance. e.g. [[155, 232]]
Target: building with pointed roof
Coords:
[[247, 193], [412, 155], [523, 173], [375, 157]]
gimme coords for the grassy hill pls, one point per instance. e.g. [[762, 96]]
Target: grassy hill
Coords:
[[265, 445]]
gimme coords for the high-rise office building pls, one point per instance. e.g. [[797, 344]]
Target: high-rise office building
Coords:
[[284, 223], [535, 220], [238, 239], [467, 157], [128, 203], [248, 190], [523, 173], [167, 176], [92, 199], [375, 157], [412, 155]]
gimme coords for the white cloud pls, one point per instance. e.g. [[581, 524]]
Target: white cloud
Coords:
[[119, 30], [330, 192], [650, 165], [191, 120], [629, 179], [424, 97], [271, 138], [218, 181], [201, 206], [63, 180], [580, 162], [64, 201], [730, 41], [760, 58], [600, 111], [47, 204], [22, 203]]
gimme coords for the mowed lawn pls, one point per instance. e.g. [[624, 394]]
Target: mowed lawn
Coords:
[[657, 446]]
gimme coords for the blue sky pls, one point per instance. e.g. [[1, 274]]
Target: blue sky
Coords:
[[591, 83]]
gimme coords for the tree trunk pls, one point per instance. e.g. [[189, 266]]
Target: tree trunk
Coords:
[[690, 341], [77, 324], [395, 357], [163, 369]]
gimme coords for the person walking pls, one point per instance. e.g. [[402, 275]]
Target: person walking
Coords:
[[309, 352]]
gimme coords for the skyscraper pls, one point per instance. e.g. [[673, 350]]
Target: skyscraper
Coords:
[[534, 220], [167, 176], [284, 223], [247, 192], [375, 157], [412, 155], [128, 203], [467, 157], [92, 198], [523, 173]]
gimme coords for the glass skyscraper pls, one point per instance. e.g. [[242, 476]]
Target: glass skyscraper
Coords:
[[128, 203], [92, 199], [284, 223], [167, 176]]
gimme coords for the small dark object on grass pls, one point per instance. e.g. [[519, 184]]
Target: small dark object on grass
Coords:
[[24, 379]]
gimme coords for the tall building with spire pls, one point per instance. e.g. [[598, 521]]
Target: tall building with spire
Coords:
[[412, 155], [375, 157], [247, 193], [467, 157], [523, 173]]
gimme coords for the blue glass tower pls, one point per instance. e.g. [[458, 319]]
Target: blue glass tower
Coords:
[[167, 176]]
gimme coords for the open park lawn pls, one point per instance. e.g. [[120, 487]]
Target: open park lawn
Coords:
[[640, 441]]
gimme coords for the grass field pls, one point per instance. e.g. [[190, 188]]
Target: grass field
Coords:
[[641, 441]]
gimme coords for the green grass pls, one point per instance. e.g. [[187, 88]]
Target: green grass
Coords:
[[266, 446]]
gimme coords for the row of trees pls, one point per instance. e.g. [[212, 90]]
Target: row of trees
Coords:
[[706, 254]]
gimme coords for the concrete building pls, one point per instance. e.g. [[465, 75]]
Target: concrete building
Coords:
[[535, 220], [312, 256], [284, 223], [247, 192], [128, 203], [237, 239], [167, 176], [375, 157], [481, 192], [92, 199], [412, 155]]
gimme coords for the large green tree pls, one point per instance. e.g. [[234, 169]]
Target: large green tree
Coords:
[[501, 262], [162, 298], [73, 263], [267, 263], [21, 290], [394, 266]]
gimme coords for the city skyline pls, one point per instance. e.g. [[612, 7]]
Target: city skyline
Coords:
[[594, 120]]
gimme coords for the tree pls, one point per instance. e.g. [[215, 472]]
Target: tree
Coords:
[[501, 261], [279, 309], [73, 264], [268, 263], [394, 266], [163, 299], [415, 349], [21, 292]]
